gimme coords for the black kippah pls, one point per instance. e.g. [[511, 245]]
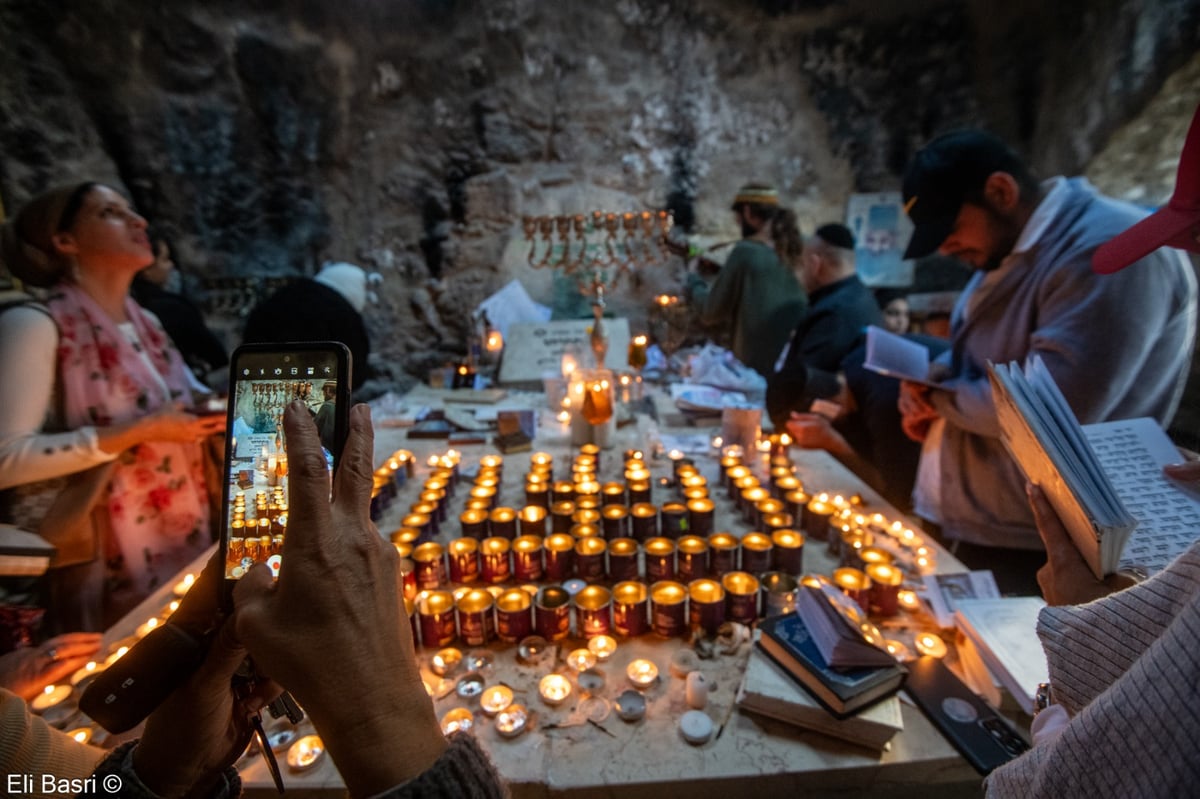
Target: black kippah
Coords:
[[837, 235]]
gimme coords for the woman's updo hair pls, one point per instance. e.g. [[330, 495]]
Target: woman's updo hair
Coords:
[[27, 242]]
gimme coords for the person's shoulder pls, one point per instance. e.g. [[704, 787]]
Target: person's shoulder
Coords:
[[22, 314]]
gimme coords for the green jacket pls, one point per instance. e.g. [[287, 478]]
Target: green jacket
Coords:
[[758, 298]]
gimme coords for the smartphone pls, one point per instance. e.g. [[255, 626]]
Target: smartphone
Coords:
[[264, 380]]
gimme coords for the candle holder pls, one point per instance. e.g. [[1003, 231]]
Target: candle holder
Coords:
[[592, 396]]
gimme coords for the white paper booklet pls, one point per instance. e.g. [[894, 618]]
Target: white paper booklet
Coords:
[[1096, 477], [1004, 632], [943, 592], [895, 356]]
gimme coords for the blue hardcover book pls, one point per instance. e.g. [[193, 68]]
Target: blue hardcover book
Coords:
[[786, 640]]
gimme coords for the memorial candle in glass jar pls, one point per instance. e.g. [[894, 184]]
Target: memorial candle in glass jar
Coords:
[[645, 521], [514, 617], [527, 559], [668, 617], [589, 557], [756, 553], [659, 556], [706, 599], [552, 613], [622, 559], [629, 604], [435, 617], [614, 521], [476, 624], [559, 553], [593, 611], [463, 556], [741, 597], [494, 553], [532, 520], [723, 551], [430, 570], [691, 558]]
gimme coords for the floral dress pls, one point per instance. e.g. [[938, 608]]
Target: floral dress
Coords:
[[157, 502]]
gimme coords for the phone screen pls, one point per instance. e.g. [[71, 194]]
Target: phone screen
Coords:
[[265, 379]]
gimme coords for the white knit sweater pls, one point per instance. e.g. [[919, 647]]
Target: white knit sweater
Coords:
[[1127, 669]]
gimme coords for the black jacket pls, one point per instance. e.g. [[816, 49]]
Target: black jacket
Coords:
[[837, 316]]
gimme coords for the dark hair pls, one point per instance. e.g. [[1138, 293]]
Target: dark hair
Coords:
[[73, 205], [886, 296], [836, 235], [785, 232]]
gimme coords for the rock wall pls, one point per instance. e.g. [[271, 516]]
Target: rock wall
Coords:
[[410, 136]]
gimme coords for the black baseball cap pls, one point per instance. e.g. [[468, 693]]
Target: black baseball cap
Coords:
[[943, 175]]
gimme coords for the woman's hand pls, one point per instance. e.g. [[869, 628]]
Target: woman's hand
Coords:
[[204, 726], [27, 670], [170, 424]]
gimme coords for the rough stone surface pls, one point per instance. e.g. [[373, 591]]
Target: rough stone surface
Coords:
[[410, 136]]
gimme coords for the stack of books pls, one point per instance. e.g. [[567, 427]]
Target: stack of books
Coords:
[[839, 682]]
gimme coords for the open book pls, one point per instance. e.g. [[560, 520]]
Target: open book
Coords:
[[1004, 631], [835, 624], [1103, 480], [895, 356]]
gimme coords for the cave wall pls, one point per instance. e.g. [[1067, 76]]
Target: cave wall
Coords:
[[410, 136]]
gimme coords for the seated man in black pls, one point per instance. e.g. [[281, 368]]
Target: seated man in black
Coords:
[[840, 308], [865, 433]]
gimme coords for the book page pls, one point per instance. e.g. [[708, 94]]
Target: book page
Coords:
[[895, 356], [1133, 453], [1005, 630]]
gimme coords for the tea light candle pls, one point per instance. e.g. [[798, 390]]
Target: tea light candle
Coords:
[[115, 656], [930, 644], [642, 673], [512, 721], [602, 646], [695, 726], [908, 599], [582, 659], [85, 672], [554, 689], [898, 650], [446, 661], [631, 705], [458, 720], [81, 734], [183, 586], [494, 699], [305, 753], [700, 516], [51, 696]]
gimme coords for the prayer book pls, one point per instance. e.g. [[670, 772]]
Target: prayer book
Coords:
[[842, 692], [1104, 480], [769, 691], [1004, 632], [895, 356], [836, 624]]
